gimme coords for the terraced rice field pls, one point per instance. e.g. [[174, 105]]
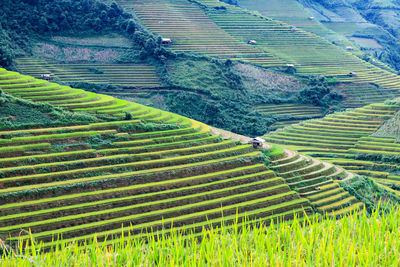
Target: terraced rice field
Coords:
[[359, 94], [145, 179], [308, 52], [27, 87], [293, 13], [290, 113], [346, 135], [64, 182], [315, 180], [134, 75], [384, 172], [291, 110], [226, 33], [191, 30]]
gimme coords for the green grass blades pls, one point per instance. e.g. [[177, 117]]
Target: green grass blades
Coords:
[[313, 241]]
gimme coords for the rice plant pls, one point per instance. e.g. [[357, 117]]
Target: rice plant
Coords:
[[356, 240]]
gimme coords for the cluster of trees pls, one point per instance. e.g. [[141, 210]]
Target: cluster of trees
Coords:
[[234, 116], [20, 21], [319, 93]]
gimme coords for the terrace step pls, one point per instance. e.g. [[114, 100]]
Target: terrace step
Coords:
[[312, 188], [324, 171], [236, 194], [154, 216], [324, 188], [330, 199], [297, 163], [233, 175], [338, 205], [290, 157], [312, 165], [356, 207], [267, 215], [324, 193], [137, 166]]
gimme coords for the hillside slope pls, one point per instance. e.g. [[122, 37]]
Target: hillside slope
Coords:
[[358, 140], [309, 53], [77, 180]]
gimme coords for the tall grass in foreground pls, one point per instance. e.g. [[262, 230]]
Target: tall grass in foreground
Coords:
[[352, 241]]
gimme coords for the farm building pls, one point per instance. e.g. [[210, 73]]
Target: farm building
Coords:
[[45, 76], [257, 142], [252, 42], [352, 74], [349, 48], [293, 29], [166, 41]]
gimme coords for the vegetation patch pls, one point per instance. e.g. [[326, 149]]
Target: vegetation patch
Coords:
[[17, 114], [390, 128], [374, 196]]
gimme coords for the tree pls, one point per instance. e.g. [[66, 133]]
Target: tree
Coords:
[[43, 24], [150, 45], [131, 27], [6, 54]]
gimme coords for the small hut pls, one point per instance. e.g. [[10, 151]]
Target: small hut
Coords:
[[166, 41], [257, 142], [290, 66], [349, 48], [45, 77], [252, 42], [293, 29], [311, 18], [352, 74]]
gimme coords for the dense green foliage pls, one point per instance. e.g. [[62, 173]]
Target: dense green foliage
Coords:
[[351, 241], [319, 93], [367, 191], [23, 20], [216, 95]]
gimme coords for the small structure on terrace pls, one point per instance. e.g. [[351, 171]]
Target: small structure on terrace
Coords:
[[257, 142], [349, 48], [352, 74], [252, 42], [45, 77], [166, 41], [311, 18], [293, 29]]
